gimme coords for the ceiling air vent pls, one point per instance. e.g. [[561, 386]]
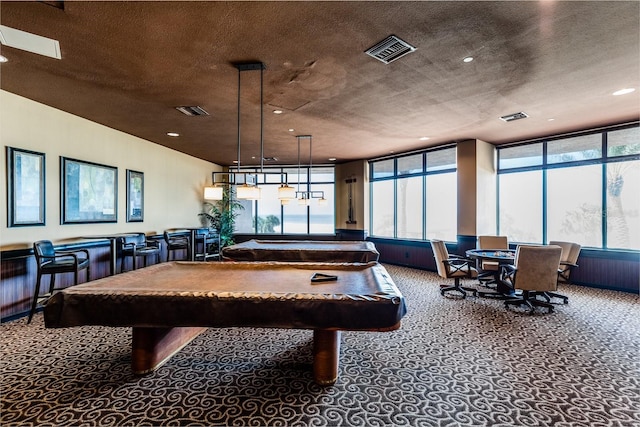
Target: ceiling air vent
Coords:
[[192, 111], [390, 49], [514, 116]]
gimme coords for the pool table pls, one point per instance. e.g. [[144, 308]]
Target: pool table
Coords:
[[302, 251], [169, 304]]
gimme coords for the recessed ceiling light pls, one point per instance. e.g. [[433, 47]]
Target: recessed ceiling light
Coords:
[[424, 138], [3, 59], [235, 161], [332, 159], [468, 59], [291, 130], [624, 91], [550, 120], [277, 111], [173, 134]]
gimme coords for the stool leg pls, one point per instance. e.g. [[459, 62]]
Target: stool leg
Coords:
[[34, 303]]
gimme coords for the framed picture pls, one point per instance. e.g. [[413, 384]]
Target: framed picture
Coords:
[[89, 192], [135, 196], [25, 188]]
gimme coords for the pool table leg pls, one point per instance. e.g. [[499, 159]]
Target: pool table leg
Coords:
[[326, 354], [151, 347]]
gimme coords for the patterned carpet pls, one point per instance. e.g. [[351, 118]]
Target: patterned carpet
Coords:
[[453, 363]]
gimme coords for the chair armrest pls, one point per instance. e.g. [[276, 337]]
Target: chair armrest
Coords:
[[568, 264], [130, 245], [457, 263], [153, 243], [72, 253]]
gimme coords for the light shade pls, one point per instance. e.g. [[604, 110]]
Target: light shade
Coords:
[[248, 192], [284, 202], [286, 192], [213, 193]]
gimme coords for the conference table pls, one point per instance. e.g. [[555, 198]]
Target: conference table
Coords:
[[169, 304], [302, 251], [502, 257]]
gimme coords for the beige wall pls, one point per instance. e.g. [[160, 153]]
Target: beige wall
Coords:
[[173, 182], [360, 195], [476, 188]]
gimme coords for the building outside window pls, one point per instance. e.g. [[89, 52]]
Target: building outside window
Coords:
[[414, 197], [584, 188], [269, 216]]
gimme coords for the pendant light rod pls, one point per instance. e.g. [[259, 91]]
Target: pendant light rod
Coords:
[[239, 86], [261, 120]]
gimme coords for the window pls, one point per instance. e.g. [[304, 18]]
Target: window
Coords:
[[584, 189], [414, 196], [269, 216]]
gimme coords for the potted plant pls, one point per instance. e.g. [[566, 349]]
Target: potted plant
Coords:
[[221, 215]]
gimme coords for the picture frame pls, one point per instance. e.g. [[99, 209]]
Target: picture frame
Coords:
[[25, 188], [89, 192], [135, 196]]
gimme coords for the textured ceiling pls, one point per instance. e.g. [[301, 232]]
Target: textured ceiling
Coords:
[[128, 64]]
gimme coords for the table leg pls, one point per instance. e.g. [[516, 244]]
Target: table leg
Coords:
[[152, 347], [113, 255], [326, 355], [192, 242]]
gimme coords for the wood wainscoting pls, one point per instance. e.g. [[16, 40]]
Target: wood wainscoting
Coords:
[[605, 269]]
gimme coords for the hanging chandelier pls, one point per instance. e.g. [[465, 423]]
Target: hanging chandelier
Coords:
[[245, 182], [305, 197]]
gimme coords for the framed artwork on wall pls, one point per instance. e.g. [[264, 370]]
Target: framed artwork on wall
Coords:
[[25, 188], [89, 192], [135, 196]]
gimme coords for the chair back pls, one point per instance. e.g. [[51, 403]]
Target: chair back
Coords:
[[441, 254], [43, 248], [537, 267], [493, 242], [570, 251], [139, 239]]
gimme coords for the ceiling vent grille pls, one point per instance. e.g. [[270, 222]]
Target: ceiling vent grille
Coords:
[[514, 116], [390, 49], [192, 111]]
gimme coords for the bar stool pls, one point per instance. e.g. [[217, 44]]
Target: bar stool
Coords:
[[52, 262]]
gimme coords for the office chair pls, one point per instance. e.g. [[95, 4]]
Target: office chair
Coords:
[[535, 271], [568, 262], [487, 270], [453, 267]]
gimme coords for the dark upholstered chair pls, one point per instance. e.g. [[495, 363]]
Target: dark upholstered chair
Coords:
[[209, 242], [137, 245], [535, 271], [453, 267], [51, 262], [487, 270], [176, 242]]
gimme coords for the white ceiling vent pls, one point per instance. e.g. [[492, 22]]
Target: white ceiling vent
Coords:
[[192, 111], [390, 49], [514, 116], [30, 42]]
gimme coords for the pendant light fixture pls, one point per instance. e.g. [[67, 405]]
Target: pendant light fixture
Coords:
[[247, 182], [305, 197]]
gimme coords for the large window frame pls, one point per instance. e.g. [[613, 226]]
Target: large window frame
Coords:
[[593, 157], [302, 178], [388, 176]]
